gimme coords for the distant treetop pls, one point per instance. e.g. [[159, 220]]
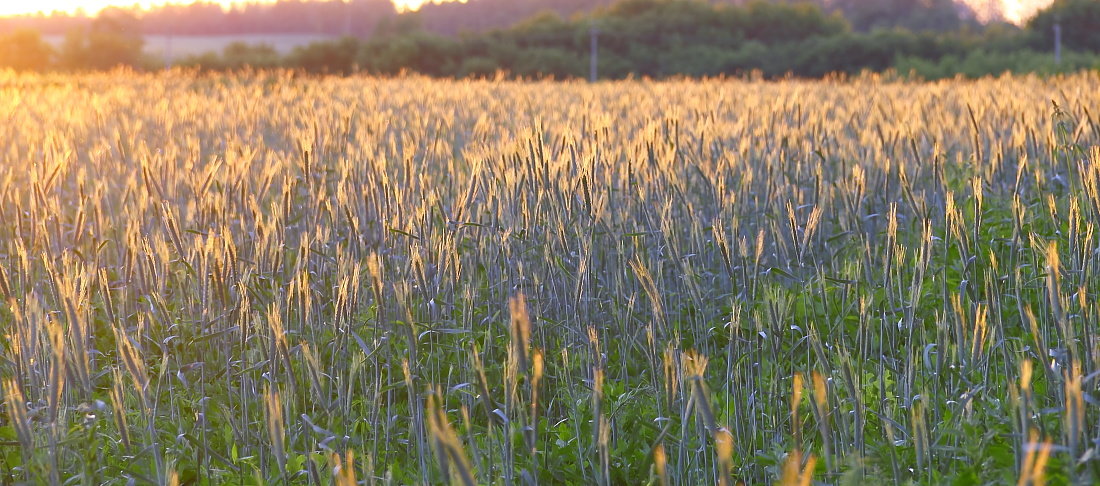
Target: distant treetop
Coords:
[[359, 18]]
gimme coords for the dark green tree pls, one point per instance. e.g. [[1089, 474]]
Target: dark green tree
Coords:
[[1080, 21], [917, 15], [25, 50], [113, 39], [327, 57]]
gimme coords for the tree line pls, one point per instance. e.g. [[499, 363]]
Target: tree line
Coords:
[[358, 18], [654, 38]]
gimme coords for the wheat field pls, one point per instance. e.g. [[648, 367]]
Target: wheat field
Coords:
[[272, 279]]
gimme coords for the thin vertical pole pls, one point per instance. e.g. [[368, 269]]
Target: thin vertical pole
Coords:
[[594, 54], [1058, 42], [168, 50]]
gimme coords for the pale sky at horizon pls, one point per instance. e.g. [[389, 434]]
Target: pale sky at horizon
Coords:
[[1015, 10], [18, 7]]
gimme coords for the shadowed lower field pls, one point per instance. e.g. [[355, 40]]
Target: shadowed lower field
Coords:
[[227, 279]]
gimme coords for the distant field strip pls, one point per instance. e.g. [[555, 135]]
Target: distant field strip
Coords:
[[180, 46], [282, 279]]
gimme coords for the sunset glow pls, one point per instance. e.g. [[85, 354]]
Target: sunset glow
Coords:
[[1015, 11], [91, 7]]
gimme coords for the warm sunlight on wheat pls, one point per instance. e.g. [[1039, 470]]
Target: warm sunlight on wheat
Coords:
[[214, 279]]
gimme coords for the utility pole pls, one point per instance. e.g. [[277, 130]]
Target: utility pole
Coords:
[[593, 56], [168, 50], [348, 14], [1057, 42]]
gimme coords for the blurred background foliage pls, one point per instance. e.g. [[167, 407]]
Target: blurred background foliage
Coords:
[[551, 38]]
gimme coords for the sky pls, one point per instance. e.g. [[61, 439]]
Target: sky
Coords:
[[16, 7], [1015, 10]]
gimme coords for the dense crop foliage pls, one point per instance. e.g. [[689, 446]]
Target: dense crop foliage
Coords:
[[268, 278]]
